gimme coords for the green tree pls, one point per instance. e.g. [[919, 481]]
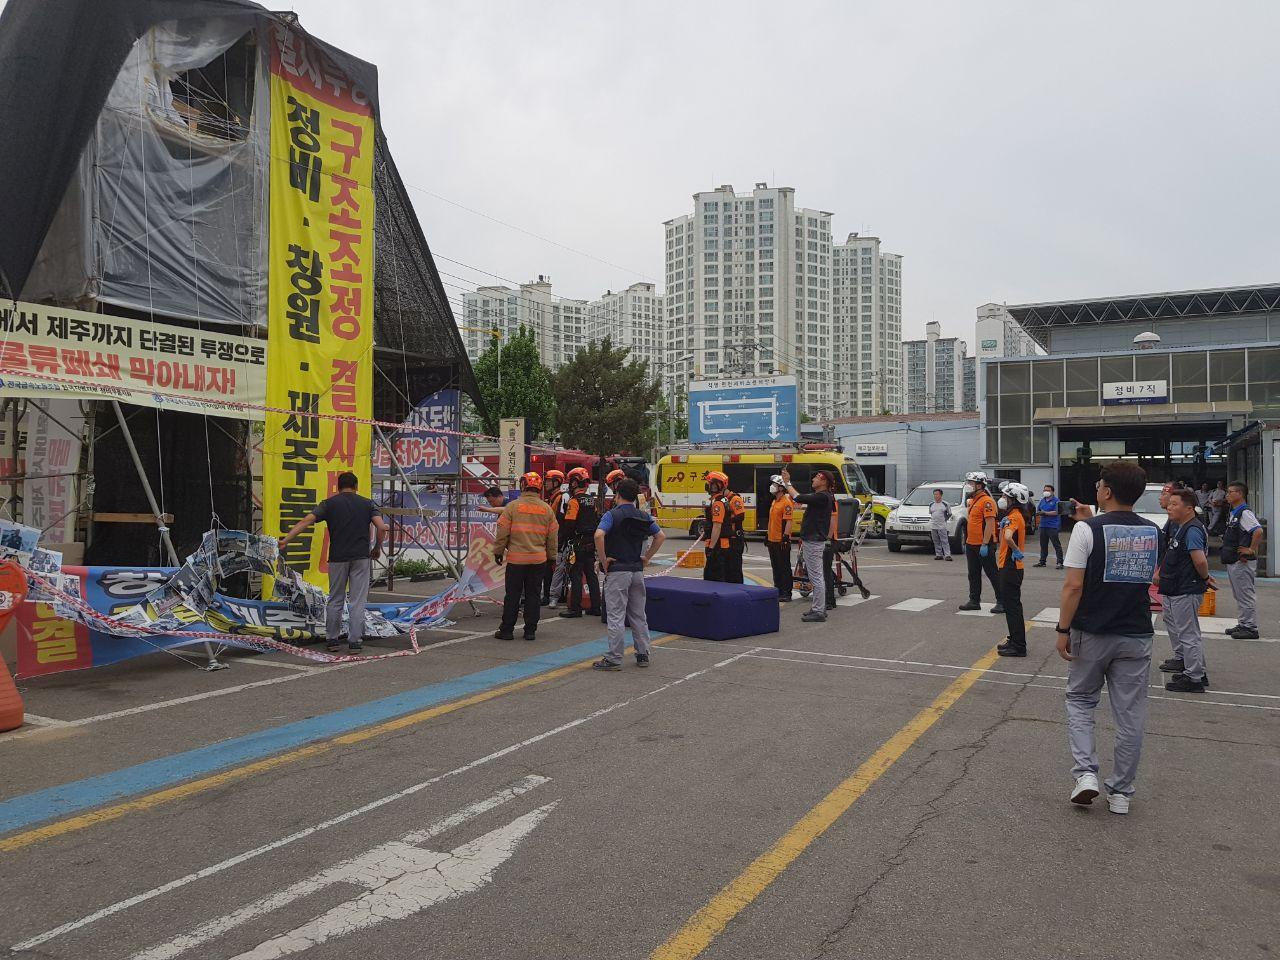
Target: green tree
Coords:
[[526, 384], [604, 401]]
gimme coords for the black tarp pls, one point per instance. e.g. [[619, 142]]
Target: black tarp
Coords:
[[58, 60]]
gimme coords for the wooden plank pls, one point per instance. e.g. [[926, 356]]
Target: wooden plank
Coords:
[[129, 518]]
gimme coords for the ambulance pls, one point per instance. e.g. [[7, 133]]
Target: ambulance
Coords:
[[680, 481]]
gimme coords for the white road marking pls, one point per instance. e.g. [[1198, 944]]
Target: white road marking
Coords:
[[44, 721], [1026, 683], [278, 664], [400, 877], [1214, 625], [953, 666], [366, 808], [878, 566], [914, 604], [855, 600]]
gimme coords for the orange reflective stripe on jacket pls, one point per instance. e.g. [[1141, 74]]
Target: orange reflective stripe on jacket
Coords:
[[527, 531]]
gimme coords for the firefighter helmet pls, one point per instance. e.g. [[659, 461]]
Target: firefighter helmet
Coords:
[[579, 475], [531, 481], [556, 475], [614, 476]]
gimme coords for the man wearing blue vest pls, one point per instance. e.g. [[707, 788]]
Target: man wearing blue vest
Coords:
[[1241, 541], [1104, 630], [620, 541], [1050, 522], [1183, 578]]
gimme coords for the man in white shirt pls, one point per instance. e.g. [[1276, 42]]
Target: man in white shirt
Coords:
[[1241, 541]]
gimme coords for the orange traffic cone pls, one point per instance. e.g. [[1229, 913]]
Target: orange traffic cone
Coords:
[[12, 712], [13, 590]]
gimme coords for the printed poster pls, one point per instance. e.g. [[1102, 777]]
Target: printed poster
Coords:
[[1131, 553], [320, 304]]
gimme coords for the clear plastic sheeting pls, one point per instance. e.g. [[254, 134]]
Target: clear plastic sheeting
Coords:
[[166, 213]]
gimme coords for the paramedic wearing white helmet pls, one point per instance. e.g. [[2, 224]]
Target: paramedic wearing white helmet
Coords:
[[980, 541]]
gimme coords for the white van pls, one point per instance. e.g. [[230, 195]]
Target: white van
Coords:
[[909, 522]]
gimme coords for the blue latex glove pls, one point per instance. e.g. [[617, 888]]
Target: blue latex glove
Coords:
[[983, 551], [1018, 555]]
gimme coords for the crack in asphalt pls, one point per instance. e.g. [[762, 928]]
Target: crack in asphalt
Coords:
[[932, 811]]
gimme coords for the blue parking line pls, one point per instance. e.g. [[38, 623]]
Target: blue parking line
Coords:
[[68, 798]]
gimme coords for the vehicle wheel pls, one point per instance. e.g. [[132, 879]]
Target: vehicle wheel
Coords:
[[842, 590], [878, 530], [894, 544], [695, 529], [957, 542]]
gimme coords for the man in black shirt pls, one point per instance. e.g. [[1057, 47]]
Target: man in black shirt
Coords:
[[349, 517], [1104, 630], [815, 530]]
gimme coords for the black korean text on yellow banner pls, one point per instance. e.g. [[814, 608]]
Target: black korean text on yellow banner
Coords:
[[320, 327]]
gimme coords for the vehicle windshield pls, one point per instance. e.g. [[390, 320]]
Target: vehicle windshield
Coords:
[[922, 496], [1149, 502], [857, 480]]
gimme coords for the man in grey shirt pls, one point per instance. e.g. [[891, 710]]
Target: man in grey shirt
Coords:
[[939, 516]]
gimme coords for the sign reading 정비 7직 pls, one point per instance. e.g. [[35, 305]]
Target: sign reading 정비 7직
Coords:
[[749, 409]]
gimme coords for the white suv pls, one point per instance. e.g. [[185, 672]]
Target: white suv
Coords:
[[910, 524]]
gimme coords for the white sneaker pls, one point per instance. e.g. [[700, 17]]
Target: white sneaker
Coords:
[[1118, 802], [553, 605], [1086, 789]]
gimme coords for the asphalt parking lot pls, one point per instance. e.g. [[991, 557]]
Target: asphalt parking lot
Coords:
[[879, 785]]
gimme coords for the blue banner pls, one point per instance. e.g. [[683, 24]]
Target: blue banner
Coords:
[[754, 409], [420, 446]]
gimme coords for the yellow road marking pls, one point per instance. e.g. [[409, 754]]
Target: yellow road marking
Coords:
[[705, 925], [150, 800]]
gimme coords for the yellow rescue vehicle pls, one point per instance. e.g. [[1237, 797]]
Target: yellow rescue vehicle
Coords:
[[680, 483]]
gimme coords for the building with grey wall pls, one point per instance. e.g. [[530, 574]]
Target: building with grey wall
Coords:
[[866, 328], [933, 372], [749, 290], [1195, 398], [969, 390], [900, 451]]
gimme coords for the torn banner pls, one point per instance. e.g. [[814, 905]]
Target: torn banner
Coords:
[[91, 616]]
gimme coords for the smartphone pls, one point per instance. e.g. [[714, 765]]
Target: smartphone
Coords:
[[1066, 508]]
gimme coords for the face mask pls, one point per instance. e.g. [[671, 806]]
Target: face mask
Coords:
[[1003, 503], [968, 488], [775, 489], [1048, 493]]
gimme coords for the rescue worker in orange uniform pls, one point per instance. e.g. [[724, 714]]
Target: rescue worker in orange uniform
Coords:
[[553, 494], [781, 510], [726, 541], [527, 540]]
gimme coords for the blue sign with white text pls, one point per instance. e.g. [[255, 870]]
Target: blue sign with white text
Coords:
[[751, 409], [427, 442]]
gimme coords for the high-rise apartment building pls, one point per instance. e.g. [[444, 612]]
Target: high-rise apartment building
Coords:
[[559, 324], [749, 290], [867, 328], [997, 334], [969, 394], [632, 318], [933, 369]]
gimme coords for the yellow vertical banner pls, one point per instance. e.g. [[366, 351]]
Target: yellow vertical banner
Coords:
[[320, 299]]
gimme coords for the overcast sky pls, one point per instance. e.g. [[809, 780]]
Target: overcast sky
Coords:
[[1009, 151]]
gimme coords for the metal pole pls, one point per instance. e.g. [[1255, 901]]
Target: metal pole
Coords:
[[444, 549], [671, 415], [13, 487], [155, 510], [146, 486]]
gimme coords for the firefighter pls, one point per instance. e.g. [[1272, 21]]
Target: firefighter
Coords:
[[553, 494], [579, 530], [726, 540], [527, 539]]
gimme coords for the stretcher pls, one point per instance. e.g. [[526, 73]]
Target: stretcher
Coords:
[[844, 560]]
